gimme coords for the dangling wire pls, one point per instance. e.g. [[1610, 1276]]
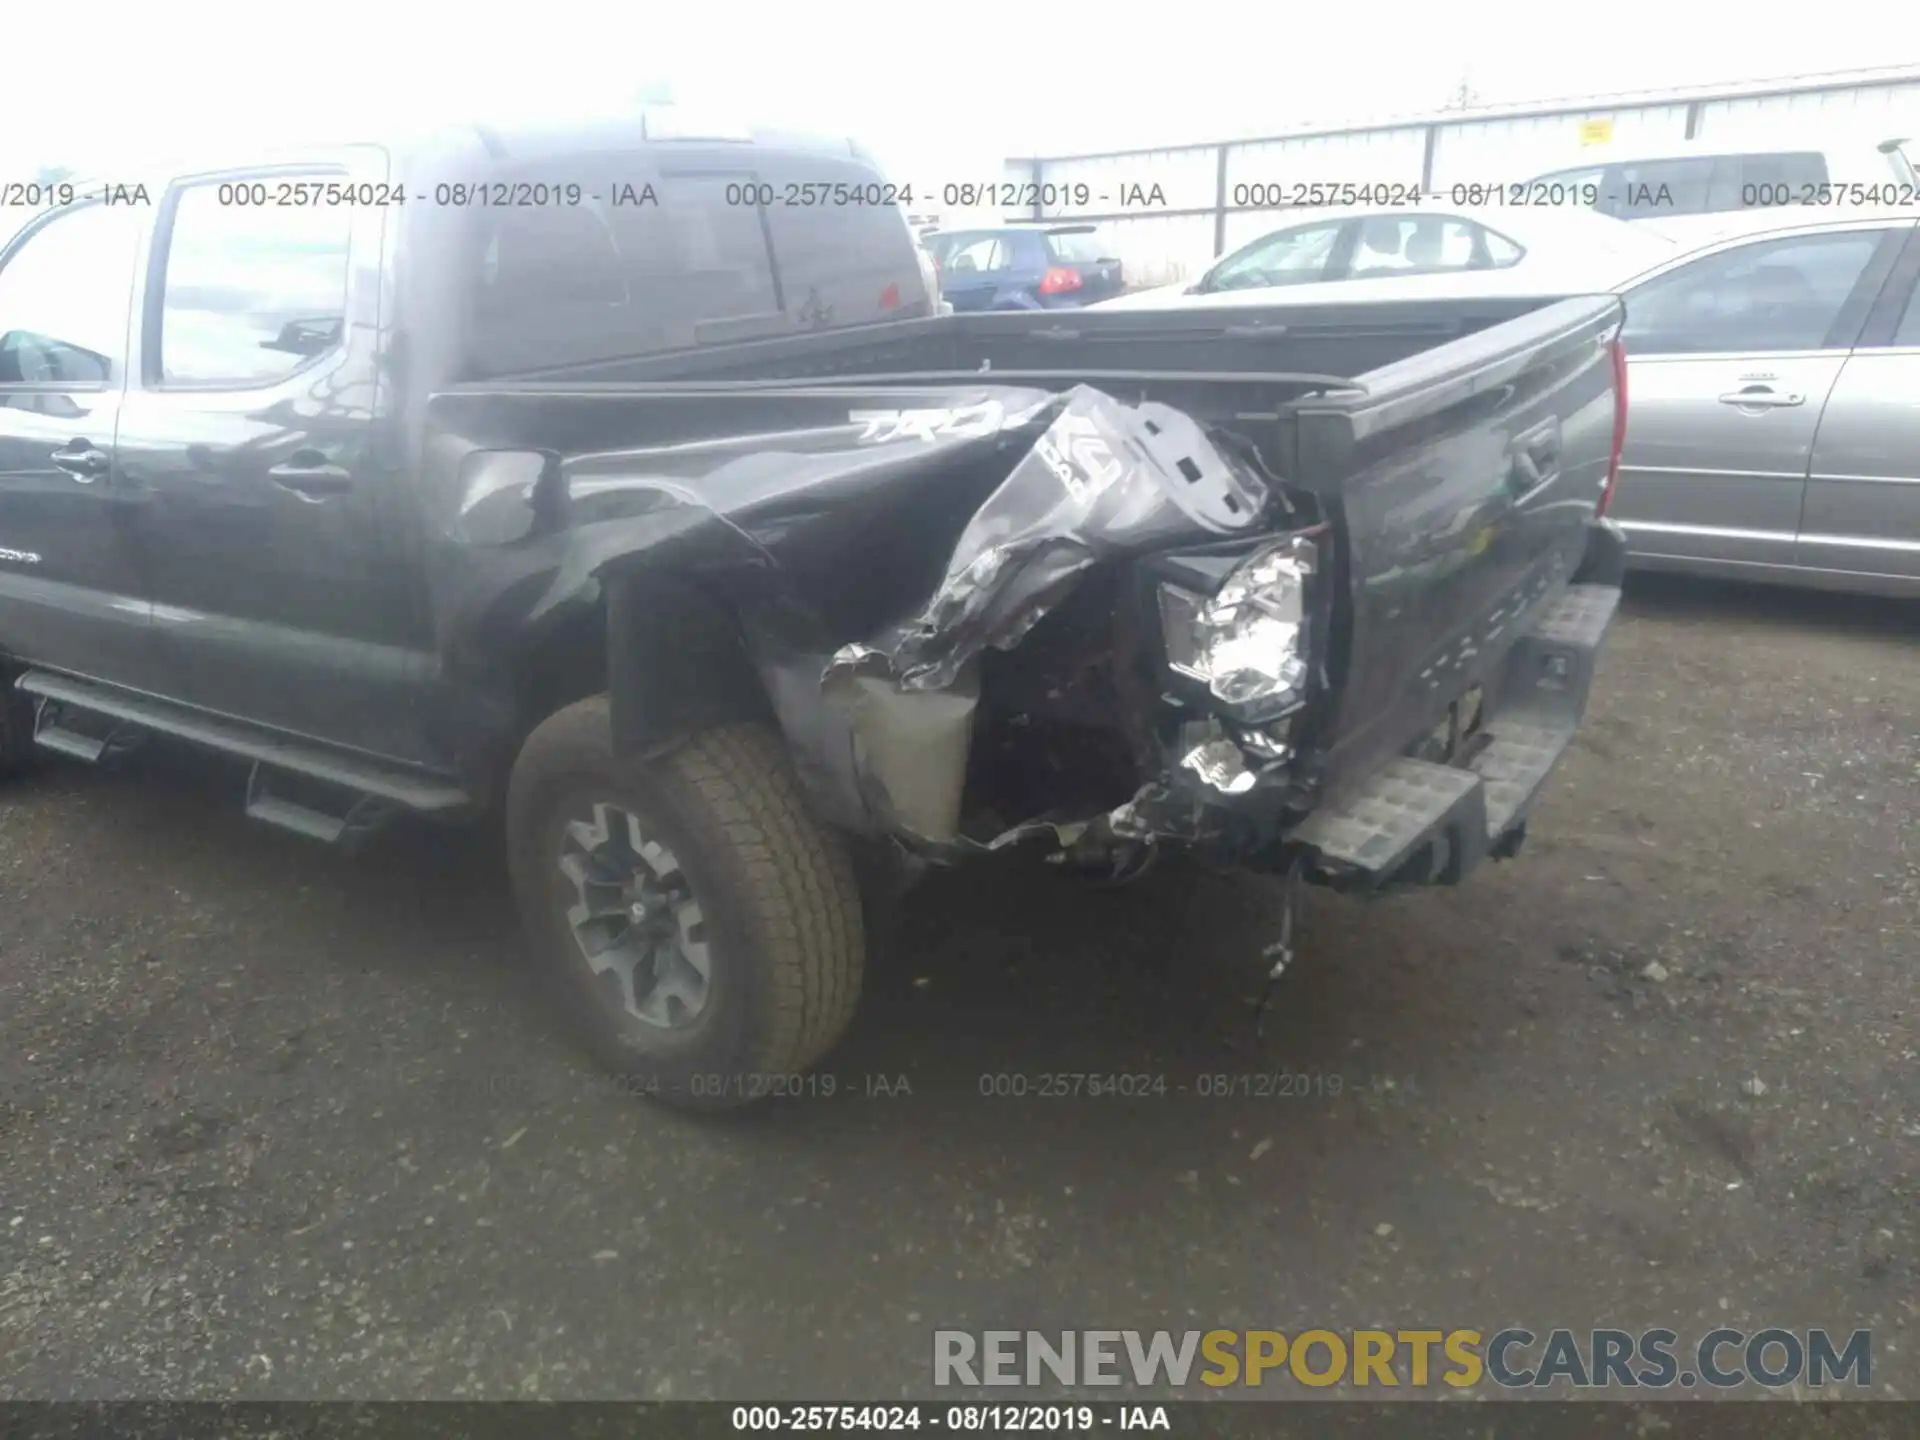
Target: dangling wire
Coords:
[[1279, 954]]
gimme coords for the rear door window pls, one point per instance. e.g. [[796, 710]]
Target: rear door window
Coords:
[[1426, 245], [251, 293], [978, 255]]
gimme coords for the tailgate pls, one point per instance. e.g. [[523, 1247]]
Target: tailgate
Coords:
[[1466, 477]]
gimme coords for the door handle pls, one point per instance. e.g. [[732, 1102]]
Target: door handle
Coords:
[[1763, 399], [81, 460], [311, 476]]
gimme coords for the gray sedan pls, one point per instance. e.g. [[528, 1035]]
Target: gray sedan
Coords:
[[1773, 427]]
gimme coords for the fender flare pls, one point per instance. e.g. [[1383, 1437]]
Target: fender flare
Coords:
[[677, 662]]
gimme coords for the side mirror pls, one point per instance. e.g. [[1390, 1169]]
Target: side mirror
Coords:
[[58, 407]]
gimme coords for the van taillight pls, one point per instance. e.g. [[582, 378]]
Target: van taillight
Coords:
[[890, 298], [1617, 353], [1058, 280]]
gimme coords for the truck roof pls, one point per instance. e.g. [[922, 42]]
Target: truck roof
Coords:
[[505, 143]]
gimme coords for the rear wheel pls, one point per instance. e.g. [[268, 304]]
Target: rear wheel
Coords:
[[703, 930]]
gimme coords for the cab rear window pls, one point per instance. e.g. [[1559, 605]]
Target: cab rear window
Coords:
[[678, 249]]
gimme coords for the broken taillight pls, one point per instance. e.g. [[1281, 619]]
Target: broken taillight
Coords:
[[1059, 279], [1617, 354]]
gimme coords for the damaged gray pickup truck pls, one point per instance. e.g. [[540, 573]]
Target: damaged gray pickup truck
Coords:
[[605, 482]]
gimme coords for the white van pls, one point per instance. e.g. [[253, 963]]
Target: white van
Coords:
[[1679, 187]]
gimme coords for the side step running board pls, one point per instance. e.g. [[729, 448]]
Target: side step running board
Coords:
[[320, 811], [366, 780], [56, 727]]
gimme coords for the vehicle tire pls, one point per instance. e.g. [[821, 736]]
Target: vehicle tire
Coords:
[[702, 929]]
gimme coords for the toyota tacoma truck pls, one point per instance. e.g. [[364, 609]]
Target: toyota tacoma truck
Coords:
[[632, 489]]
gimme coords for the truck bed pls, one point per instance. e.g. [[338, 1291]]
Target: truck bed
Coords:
[[1458, 448], [1261, 344]]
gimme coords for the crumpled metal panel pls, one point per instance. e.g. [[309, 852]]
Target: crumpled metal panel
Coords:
[[870, 543], [1104, 479]]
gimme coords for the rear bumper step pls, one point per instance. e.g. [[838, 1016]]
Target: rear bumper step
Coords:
[[1463, 811]]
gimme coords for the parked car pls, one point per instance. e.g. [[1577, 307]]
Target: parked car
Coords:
[[1774, 432], [1026, 267], [1771, 433], [1364, 253], [682, 536], [1686, 188]]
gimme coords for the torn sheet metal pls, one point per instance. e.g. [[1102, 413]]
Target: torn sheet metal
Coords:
[[1103, 479]]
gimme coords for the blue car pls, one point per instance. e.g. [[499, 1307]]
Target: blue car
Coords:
[[1024, 267]]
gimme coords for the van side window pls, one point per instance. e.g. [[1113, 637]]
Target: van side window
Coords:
[[1643, 189], [1780, 179], [1707, 184], [65, 295], [252, 292]]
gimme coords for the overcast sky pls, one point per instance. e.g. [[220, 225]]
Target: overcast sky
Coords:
[[938, 91]]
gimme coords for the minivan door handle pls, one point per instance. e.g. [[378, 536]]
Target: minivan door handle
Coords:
[[1761, 398], [81, 460], [311, 476]]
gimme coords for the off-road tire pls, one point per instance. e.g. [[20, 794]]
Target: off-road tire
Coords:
[[777, 890]]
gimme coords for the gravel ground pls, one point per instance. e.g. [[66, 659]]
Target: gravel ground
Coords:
[[278, 1122]]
